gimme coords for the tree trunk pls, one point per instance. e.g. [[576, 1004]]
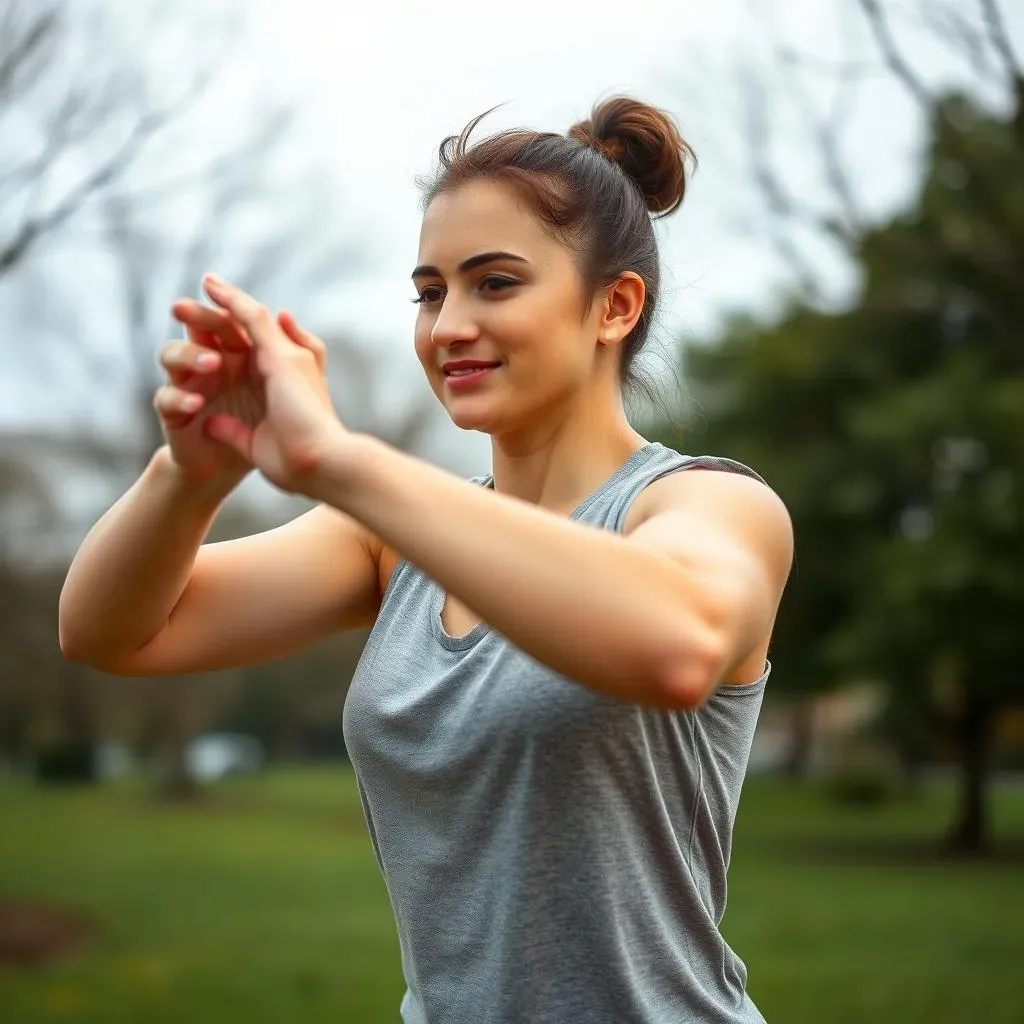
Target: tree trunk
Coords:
[[912, 770], [69, 756], [801, 738], [970, 831], [176, 782]]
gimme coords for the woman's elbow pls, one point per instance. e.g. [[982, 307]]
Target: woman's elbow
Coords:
[[688, 677]]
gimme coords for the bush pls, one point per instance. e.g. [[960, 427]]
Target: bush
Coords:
[[864, 777], [65, 763]]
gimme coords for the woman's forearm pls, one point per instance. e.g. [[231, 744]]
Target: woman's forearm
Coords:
[[133, 565], [581, 600]]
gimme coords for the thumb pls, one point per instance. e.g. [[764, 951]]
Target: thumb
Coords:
[[232, 432], [303, 338]]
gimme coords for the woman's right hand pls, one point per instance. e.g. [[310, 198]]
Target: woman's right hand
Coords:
[[210, 372]]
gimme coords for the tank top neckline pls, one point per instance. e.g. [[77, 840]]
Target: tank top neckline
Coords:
[[481, 629]]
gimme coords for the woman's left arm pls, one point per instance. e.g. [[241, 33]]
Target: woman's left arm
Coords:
[[659, 616]]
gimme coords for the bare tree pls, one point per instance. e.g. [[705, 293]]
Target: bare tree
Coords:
[[81, 110], [270, 236], [289, 252], [974, 36], [75, 143]]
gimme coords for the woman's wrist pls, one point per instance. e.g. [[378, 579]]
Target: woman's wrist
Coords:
[[341, 468], [199, 490]]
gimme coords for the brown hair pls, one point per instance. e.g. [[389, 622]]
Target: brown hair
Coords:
[[596, 187]]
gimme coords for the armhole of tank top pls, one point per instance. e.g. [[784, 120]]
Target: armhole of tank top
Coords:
[[400, 566], [747, 690]]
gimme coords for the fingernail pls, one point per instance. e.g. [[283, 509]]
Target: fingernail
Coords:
[[217, 282]]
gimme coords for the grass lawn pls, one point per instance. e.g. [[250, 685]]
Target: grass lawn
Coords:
[[263, 903]]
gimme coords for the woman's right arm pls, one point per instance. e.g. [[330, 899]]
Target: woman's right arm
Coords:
[[144, 596]]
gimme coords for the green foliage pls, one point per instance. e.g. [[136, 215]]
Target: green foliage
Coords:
[[894, 431], [66, 763]]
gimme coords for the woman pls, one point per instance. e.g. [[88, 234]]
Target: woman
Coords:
[[551, 721]]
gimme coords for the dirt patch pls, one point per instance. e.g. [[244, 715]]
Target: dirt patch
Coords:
[[32, 932]]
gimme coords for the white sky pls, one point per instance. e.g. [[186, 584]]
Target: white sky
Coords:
[[386, 83], [382, 83]]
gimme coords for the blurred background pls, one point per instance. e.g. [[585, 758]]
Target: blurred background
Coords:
[[843, 310]]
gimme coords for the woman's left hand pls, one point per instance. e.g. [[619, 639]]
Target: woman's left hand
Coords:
[[299, 426]]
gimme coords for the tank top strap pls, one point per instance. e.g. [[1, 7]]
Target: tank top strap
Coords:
[[659, 461], [610, 503]]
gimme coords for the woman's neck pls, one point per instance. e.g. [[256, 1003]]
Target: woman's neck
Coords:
[[558, 471]]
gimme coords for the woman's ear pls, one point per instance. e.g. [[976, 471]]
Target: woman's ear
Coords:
[[623, 304]]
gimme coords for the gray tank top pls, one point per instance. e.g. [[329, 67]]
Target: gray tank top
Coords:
[[553, 855]]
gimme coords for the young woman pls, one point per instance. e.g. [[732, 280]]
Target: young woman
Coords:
[[551, 721]]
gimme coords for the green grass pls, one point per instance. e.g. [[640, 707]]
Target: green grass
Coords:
[[263, 904]]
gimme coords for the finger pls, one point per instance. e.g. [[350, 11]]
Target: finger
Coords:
[[184, 359], [175, 406], [302, 337], [254, 317], [216, 322], [216, 325], [230, 431]]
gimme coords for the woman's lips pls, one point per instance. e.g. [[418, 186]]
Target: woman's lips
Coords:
[[460, 379]]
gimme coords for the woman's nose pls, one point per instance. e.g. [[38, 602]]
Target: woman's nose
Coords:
[[453, 324]]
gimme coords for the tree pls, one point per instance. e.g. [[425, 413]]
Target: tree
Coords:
[[895, 432], [817, 98], [101, 159], [285, 255], [82, 110], [956, 259]]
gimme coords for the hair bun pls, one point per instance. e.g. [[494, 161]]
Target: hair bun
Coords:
[[645, 142]]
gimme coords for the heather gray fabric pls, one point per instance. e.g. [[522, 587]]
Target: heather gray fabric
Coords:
[[553, 856]]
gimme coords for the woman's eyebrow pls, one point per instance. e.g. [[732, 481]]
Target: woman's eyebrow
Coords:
[[470, 263]]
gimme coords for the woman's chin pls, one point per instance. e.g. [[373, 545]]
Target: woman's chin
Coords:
[[472, 415], [485, 424]]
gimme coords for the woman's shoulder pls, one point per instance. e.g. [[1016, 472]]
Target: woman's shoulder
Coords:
[[670, 460], [682, 479]]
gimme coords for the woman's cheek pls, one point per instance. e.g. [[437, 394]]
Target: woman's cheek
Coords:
[[423, 346]]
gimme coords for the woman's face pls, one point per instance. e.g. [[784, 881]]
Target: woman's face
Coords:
[[496, 288]]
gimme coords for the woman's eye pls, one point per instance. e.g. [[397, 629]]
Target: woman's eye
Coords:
[[497, 284], [435, 293]]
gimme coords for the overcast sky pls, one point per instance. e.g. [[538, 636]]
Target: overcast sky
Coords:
[[380, 85]]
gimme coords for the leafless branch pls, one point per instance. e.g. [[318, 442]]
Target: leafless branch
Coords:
[[828, 132], [1000, 37], [781, 205], [109, 170], [958, 30], [291, 249], [989, 193], [894, 60], [40, 224], [224, 182], [19, 52]]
